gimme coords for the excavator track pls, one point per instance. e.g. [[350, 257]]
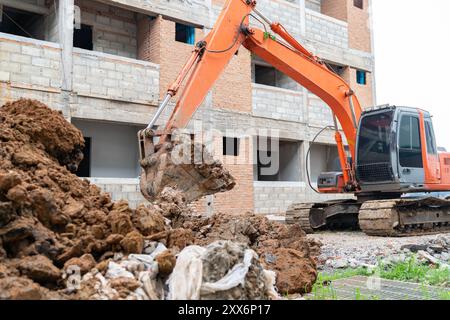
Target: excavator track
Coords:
[[400, 217], [405, 217], [299, 213], [313, 216]]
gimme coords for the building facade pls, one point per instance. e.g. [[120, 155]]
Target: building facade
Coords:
[[108, 71]]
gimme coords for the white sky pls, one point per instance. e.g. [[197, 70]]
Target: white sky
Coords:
[[412, 49]]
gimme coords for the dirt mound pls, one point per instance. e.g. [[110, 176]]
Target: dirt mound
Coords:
[[56, 228], [282, 248], [47, 214]]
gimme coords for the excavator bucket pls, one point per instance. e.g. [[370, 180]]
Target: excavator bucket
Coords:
[[180, 164]]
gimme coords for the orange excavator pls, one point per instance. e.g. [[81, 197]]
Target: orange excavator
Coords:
[[393, 164]]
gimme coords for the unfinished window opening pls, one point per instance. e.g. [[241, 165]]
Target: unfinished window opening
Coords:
[[184, 33], [269, 76], [113, 148], [82, 38], [230, 146], [265, 75], [339, 70], [84, 169], [278, 161], [361, 77], [359, 4], [22, 23]]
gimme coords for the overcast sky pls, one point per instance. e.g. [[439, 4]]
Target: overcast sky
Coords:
[[412, 51]]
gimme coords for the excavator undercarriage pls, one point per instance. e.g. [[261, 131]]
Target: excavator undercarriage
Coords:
[[399, 217]]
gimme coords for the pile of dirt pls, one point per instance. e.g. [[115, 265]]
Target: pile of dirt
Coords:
[[56, 229], [49, 217], [281, 248]]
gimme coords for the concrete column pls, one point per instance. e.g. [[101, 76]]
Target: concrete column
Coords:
[[302, 4], [374, 87], [65, 25]]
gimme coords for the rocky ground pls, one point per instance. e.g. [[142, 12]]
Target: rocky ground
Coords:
[[341, 250]]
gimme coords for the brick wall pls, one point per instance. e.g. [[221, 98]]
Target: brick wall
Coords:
[[335, 8], [363, 92], [114, 29], [240, 199], [149, 38], [359, 27]]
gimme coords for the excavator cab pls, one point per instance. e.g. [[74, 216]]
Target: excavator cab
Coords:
[[396, 150]]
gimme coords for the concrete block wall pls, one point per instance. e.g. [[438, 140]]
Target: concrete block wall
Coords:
[[286, 12], [121, 189], [103, 75], [314, 5], [278, 103], [319, 114], [273, 198], [30, 62], [114, 29], [326, 29]]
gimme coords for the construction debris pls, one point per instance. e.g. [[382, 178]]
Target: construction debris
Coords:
[[62, 238]]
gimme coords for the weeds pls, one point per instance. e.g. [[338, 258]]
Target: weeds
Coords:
[[410, 270]]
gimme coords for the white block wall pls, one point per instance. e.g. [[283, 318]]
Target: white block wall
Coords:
[[287, 13], [30, 62], [273, 198], [326, 29], [319, 114], [277, 103], [103, 75], [114, 29], [315, 5], [121, 189]]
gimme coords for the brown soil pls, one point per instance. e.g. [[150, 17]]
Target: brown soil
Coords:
[[50, 219], [48, 215], [281, 248]]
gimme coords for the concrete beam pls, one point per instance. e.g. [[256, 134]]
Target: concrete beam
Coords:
[[25, 6], [196, 13]]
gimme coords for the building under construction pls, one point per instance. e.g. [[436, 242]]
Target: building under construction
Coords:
[[107, 72]]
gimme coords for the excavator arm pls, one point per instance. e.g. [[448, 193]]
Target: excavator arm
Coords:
[[211, 56]]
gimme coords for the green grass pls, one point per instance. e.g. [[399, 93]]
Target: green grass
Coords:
[[410, 270]]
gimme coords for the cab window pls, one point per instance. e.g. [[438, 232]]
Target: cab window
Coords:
[[410, 151], [431, 142]]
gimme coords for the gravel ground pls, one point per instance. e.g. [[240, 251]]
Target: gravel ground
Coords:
[[355, 249]]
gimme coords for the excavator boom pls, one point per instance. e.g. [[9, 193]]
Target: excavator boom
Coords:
[[209, 59]]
